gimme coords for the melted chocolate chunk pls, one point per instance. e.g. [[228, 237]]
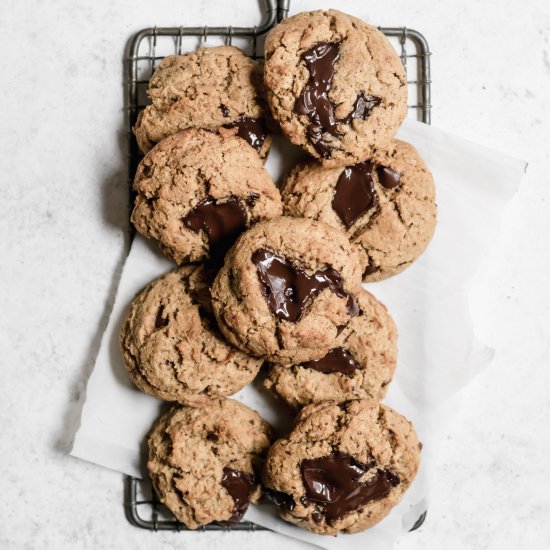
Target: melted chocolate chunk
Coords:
[[315, 103], [222, 221], [362, 108], [224, 110], [353, 306], [324, 148], [354, 194], [252, 130], [316, 516], [288, 289], [332, 483], [336, 360], [240, 485], [387, 177], [282, 500]]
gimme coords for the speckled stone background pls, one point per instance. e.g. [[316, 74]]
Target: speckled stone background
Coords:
[[62, 244]]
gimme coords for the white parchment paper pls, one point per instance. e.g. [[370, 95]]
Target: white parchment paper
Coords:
[[438, 350]]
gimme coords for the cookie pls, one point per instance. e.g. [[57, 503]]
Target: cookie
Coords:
[[198, 190], [172, 347], [385, 205], [287, 289], [343, 467], [205, 463], [216, 88], [335, 85], [360, 366]]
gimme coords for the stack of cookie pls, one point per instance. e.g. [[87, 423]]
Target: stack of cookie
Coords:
[[274, 279]]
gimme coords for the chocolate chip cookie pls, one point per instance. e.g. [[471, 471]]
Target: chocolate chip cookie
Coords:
[[360, 365], [216, 88], [385, 205], [198, 190], [172, 347], [287, 289], [343, 467], [204, 462], [335, 85]]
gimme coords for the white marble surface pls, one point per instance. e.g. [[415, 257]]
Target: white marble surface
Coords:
[[62, 243]]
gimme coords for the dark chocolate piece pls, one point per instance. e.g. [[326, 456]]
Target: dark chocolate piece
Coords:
[[369, 270], [332, 483], [353, 306], [315, 103], [354, 194], [252, 130], [160, 321], [362, 108], [288, 289], [240, 485], [211, 436], [387, 177], [336, 360], [282, 500], [316, 516], [146, 171], [224, 109], [392, 478], [222, 220]]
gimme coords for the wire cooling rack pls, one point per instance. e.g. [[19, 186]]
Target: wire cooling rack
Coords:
[[145, 50]]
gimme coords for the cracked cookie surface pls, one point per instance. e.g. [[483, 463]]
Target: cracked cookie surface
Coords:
[[335, 85], [361, 364], [198, 190], [217, 88], [172, 347], [343, 467], [205, 463], [386, 205], [287, 289]]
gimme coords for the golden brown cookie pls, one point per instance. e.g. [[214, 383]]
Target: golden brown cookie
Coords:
[[198, 190], [172, 347], [216, 88], [361, 365], [287, 289], [385, 205], [335, 85], [343, 467], [204, 463]]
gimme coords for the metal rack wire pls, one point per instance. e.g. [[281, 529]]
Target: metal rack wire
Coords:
[[145, 50]]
